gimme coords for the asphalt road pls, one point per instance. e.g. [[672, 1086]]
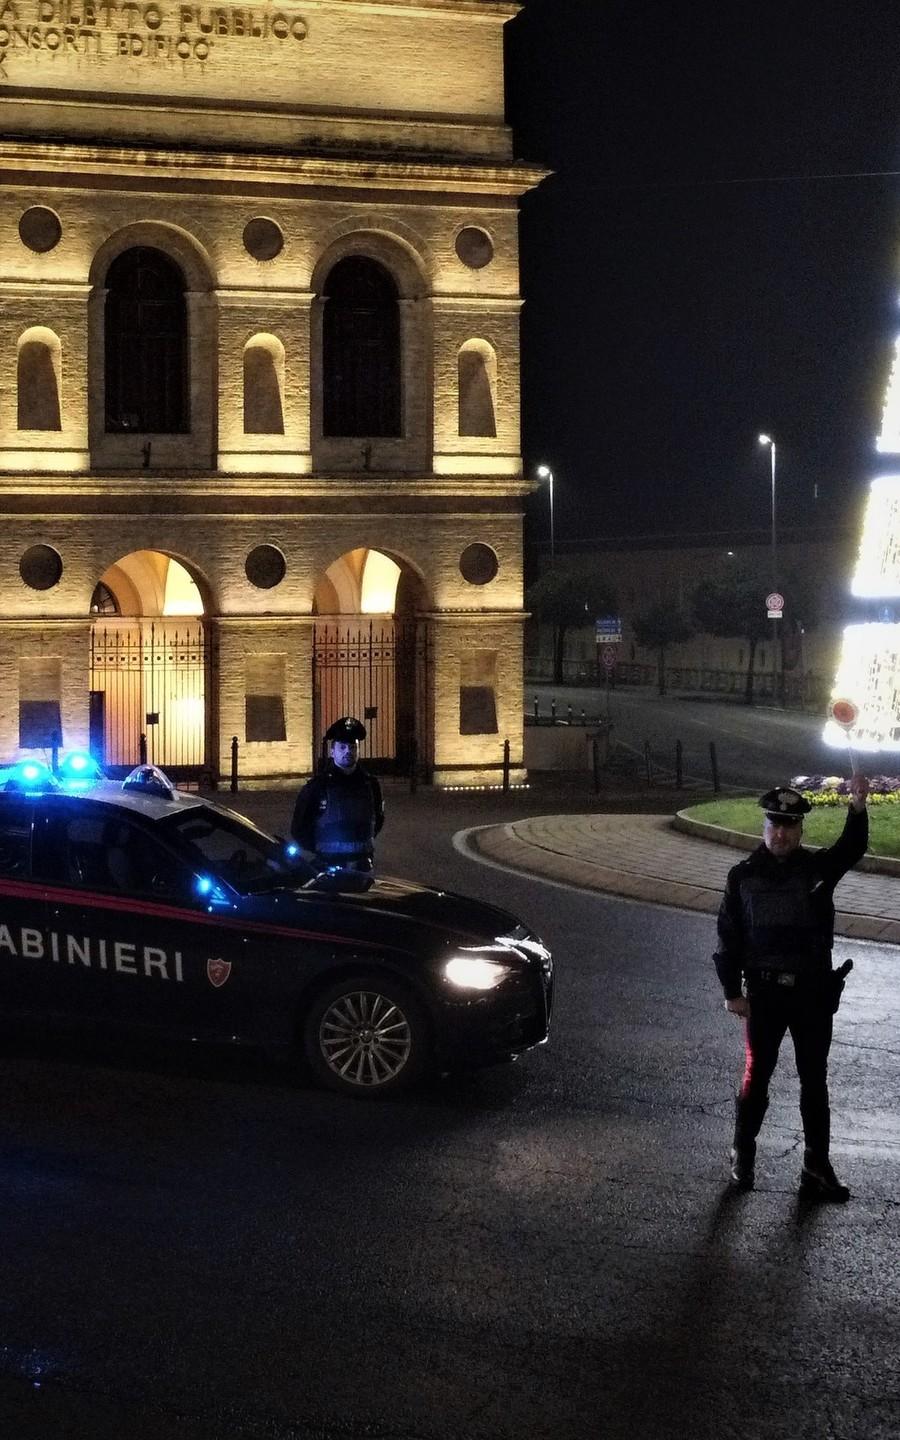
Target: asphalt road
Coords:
[[756, 746], [197, 1248]]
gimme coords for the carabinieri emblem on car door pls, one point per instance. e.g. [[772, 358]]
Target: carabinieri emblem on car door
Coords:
[[218, 971]]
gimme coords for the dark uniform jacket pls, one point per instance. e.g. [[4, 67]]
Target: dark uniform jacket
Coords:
[[778, 915], [339, 813]]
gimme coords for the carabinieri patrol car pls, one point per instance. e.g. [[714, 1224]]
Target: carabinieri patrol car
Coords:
[[136, 906]]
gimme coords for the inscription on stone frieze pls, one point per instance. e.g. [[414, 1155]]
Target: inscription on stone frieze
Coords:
[[153, 32]]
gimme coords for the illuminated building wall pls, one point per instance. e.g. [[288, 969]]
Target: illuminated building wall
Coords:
[[270, 155]]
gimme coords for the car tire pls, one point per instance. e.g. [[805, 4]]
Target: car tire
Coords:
[[366, 1035]]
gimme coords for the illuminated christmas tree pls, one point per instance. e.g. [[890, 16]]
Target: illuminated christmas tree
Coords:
[[868, 674]]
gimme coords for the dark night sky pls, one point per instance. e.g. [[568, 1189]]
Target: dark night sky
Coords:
[[672, 314]]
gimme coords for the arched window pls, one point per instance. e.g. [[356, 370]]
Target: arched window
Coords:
[[38, 380], [146, 344], [103, 601], [477, 371], [264, 386], [361, 350]]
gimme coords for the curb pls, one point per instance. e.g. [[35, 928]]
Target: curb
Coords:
[[500, 845], [703, 830]]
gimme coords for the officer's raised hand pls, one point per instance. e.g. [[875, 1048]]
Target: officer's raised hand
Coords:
[[859, 789]]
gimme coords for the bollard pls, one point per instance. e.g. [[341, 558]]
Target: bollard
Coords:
[[595, 763], [413, 765], [506, 766], [55, 745], [714, 765], [679, 764], [583, 717], [648, 763], [536, 714], [569, 713], [553, 711], [234, 764], [142, 750]]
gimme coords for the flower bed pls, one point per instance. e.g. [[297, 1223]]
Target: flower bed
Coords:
[[834, 789]]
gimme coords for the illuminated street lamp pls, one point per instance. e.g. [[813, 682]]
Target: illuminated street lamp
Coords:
[[767, 440], [545, 473]]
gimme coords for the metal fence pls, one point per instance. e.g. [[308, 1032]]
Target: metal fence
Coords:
[[150, 679], [377, 670], [807, 689]]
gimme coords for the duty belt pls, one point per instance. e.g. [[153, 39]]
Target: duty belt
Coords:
[[776, 977]]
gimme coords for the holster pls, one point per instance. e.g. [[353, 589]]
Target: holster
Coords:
[[837, 984]]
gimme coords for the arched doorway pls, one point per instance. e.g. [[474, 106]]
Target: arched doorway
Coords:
[[370, 658], [149, 664]]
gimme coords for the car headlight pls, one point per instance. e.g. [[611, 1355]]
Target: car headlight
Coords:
[[475, 972]]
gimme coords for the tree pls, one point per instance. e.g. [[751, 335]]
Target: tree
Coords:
[[657, 629], [732, 603], [571, 594]]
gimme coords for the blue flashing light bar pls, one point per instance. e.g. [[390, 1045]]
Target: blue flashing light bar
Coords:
[[78, 771], [28, 777]]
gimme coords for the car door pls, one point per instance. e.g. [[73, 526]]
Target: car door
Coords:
[[136, 940], [25, 979]]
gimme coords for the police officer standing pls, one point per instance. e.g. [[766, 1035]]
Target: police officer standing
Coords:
[[776, 930], [340, 810]]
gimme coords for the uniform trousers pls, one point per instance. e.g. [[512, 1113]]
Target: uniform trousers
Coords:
[[805, 1011]]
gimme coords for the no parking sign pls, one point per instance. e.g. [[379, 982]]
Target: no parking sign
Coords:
[[844, 713]]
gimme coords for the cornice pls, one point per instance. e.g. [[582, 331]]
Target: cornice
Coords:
[[474, 616], [46, 289], [293, 491], [501, 10], [79, 163]]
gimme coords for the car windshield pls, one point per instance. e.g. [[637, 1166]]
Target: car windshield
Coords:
[[236, 851]]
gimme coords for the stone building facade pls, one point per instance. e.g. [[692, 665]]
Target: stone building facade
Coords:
[[259, 383]]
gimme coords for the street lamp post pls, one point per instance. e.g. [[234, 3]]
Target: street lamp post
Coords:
[[545, 473], [776, 670]]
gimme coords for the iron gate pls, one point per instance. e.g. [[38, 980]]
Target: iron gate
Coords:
[[379, 671], [150, 679]]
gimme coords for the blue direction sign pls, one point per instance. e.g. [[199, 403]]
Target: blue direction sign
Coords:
[[608, 629]]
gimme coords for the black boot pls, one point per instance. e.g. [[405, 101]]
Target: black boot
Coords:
[[819, 1182], [748, 1117], [742, 1158]]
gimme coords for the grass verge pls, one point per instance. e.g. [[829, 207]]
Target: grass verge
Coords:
[[822, 827]]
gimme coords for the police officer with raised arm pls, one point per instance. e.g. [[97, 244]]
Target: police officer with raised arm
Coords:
[[340, 810], [776, 931]]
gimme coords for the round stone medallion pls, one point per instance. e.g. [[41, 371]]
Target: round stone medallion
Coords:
[[41, 567], [478, 564], [263, 239], [265, 567], [40, 229], [474, 247]]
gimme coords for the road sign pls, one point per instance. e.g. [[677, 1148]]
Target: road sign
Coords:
[[608, 630], [845, 713], [774, 605]]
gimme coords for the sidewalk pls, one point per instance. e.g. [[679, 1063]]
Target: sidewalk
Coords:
[[644, 858]]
